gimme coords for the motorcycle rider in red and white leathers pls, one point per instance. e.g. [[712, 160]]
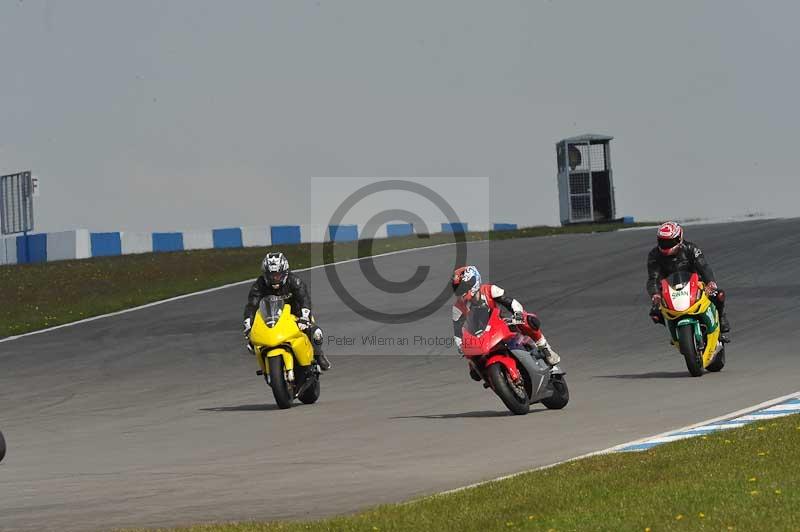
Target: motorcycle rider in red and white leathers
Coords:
[[671, 254], [470, 292]]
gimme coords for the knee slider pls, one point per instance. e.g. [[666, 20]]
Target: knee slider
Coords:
[[534, 321]]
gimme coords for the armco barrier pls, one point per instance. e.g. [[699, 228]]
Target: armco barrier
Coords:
[[197, 240], [8, 250], [66, 245], [79, 244], [32, 248], [285, 234], [399, 230], [136, 242], [106, 244], [167, 242], [504, 227], [227, 238], [460, 227], [257, 236], [343, 233], [314, 233]]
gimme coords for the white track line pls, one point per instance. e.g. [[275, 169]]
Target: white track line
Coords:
[[223, 287], [739, 414]]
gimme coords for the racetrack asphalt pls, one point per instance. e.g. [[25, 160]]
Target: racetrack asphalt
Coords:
[[156, 417]]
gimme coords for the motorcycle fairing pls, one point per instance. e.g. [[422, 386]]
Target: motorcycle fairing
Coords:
[[705, 312], [484, 341], [681, 295], [702, 312], [539, 373], [284, 339], [496, 333]]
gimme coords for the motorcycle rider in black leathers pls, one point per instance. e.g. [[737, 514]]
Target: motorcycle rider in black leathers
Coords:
[[278, 280], [672, 254]]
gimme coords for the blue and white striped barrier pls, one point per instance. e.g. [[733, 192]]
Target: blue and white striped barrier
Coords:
[[106, 244], [459, 227], [81, 244], [393, 230], [785, 407], [504, 227]]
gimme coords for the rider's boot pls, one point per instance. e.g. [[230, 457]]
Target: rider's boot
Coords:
[[724, 324], [474, 375], [550, 356], [319, 356]]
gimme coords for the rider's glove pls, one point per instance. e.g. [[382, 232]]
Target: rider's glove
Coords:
[[247, 326], [655, 310], [519, 317], [305, 313], [303, 324], [711, 288]]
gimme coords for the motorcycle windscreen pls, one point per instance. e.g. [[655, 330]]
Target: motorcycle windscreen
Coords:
[[271, 309], [477, 319], [679, 278], [479, 335]]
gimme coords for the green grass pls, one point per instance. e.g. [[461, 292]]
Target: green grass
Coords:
[[38, 296], [743, 479]]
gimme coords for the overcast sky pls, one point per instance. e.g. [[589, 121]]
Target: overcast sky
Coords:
[[144, 115]]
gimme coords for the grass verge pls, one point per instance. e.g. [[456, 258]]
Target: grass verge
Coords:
[[743, 479], [37, 296]]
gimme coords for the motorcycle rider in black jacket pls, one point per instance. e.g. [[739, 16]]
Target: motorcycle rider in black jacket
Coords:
[[278, 280], [673, 254]]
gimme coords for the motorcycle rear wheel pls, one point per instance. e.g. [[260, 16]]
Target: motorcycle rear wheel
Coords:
[[500, 381], [310, 396], [719, 361], [688, 347], [277, 379], [560, 396]]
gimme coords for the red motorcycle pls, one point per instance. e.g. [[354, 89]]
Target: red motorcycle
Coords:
[[509, 362]]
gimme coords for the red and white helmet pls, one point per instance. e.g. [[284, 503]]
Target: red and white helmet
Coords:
[[670, 238], [466, 282]]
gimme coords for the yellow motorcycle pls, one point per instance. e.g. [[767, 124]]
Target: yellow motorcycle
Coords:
[[284, 353], [693, 322]]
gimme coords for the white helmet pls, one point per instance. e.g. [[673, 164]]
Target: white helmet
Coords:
[[275, 268]]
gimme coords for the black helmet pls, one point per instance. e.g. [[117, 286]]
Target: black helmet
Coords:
[[275, 268]]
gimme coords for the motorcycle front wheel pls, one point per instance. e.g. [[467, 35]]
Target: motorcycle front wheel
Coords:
[[688, 347], [2, 447], [513, 396], [277, 380]]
